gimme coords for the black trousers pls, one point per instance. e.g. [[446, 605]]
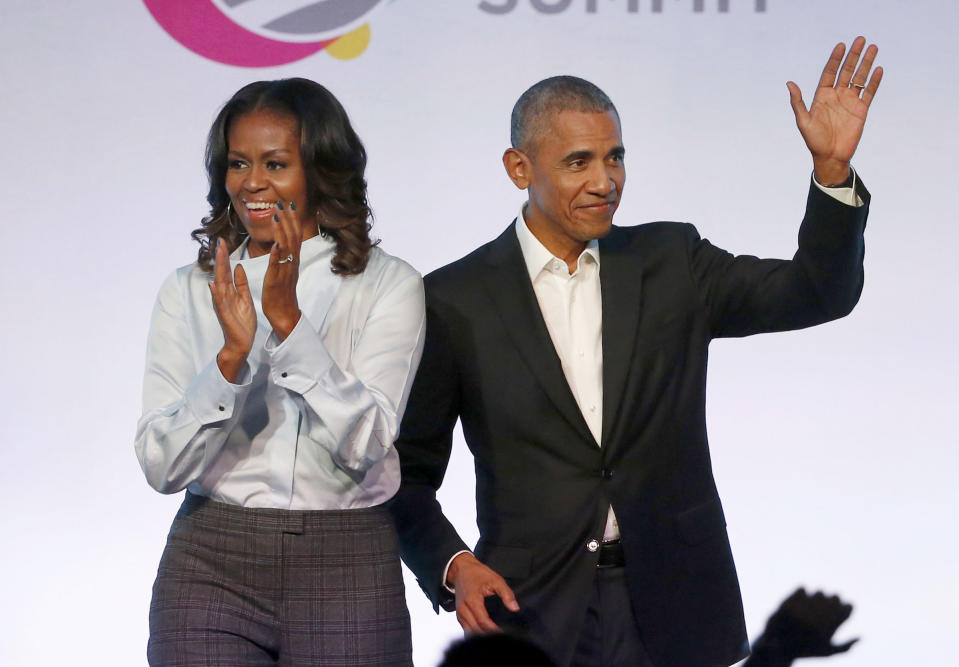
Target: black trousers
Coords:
[[240, 586], [610, 636]]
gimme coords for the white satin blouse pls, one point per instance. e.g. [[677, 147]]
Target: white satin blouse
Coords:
[[311, 422]]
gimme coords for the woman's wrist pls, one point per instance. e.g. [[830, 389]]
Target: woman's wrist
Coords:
[[230, 362], [283, 325]]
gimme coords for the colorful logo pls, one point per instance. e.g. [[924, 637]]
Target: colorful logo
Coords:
[[266, 33]]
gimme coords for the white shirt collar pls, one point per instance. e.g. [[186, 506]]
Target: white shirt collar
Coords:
[[535, 254]]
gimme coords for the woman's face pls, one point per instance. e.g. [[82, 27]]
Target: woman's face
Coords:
[[263, 168]]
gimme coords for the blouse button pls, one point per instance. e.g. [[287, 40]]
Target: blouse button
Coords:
[[283, 374]]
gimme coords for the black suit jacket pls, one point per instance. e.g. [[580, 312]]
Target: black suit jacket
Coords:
[[543, 486]]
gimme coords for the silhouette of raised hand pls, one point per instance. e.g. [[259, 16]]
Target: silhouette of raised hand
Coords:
[[802, 627]]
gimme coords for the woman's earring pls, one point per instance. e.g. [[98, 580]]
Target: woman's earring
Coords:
[[233, 222], [319, 225]]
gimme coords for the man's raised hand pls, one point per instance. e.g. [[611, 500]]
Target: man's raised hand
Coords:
[[833, 124]]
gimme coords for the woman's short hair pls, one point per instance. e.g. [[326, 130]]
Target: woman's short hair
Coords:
[[334, 162]]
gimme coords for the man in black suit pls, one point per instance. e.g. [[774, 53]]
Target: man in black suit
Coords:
[[574, 354]]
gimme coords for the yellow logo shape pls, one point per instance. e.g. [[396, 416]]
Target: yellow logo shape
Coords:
[[350, 45]]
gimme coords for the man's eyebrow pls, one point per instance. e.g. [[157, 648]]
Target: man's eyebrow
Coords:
[[578, 155], [616, 151]]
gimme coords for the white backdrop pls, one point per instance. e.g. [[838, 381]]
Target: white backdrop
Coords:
[[832, 446]]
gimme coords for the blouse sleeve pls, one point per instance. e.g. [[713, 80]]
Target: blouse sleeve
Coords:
[[354, 411], [187, 415]]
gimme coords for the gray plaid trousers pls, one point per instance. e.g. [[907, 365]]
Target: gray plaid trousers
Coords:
[[240, 586]]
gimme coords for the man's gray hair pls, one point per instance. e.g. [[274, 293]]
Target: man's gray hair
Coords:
[[552, 95]]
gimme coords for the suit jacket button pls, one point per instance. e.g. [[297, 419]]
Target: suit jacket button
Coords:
[[606, 473], [592, 545]]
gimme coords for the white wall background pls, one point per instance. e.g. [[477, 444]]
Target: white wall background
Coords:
[[834, 448]]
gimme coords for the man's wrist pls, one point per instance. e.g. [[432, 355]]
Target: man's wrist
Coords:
[[833, 174], [453, 568]]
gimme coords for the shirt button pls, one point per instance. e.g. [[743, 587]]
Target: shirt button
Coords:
[[283, 374], [592, 545], [592, 408], [222, 408]]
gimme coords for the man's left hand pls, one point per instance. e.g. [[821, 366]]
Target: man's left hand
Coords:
[[833, 124]]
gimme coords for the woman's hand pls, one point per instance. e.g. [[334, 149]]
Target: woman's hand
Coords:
[[280, 306], [234, 309]]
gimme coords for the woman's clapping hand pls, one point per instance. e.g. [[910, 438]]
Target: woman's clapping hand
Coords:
[[280, 305], [234, 309]]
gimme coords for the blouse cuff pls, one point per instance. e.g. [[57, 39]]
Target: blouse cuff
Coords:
[[211, 397], [298, 362]]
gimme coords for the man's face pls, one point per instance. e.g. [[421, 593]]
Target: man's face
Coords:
[[575, 175]]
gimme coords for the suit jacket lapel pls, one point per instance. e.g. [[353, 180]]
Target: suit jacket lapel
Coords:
[[511, 292], [620, 278]]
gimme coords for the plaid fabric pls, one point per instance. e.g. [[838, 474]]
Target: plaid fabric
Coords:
[[239, 586]]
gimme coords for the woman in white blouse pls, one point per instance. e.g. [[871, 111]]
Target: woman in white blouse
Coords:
[[278, 367]]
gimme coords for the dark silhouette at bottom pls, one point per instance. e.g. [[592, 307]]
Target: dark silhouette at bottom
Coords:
[[802, 627], [496, 649]]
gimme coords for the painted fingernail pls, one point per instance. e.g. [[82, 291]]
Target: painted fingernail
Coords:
[[279, 205], [292, 206], [276, 218]]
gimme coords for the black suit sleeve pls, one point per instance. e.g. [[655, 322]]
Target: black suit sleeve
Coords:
[[427, 538], [822, 282]]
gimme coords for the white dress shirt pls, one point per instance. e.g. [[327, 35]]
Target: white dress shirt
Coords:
[[312, 420], [572, 306]]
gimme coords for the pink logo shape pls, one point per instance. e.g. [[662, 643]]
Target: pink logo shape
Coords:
[[201, 27]]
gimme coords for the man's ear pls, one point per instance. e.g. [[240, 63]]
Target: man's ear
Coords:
[[519, 167]]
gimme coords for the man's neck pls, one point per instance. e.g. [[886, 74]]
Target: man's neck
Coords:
[[564, 248]]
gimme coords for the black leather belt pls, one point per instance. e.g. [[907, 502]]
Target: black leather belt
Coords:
[[611, 554]]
